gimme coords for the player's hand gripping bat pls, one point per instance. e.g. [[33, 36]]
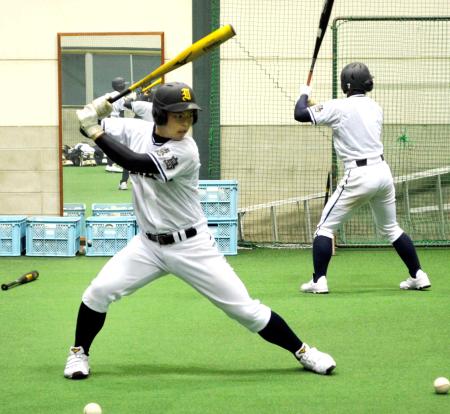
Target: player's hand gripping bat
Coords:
[[197, 49], [26, 278], [323, 23]]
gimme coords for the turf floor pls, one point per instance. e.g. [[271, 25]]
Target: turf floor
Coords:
[[167, 350]]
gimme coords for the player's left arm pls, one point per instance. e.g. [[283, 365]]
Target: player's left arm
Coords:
[[125, 157], [301, 112]]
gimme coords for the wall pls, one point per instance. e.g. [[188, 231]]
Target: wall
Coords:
[[29, 161]]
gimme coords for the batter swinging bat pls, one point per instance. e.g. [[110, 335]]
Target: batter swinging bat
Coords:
[[26, 278], [323, 23], [197, 49], [152, 85]]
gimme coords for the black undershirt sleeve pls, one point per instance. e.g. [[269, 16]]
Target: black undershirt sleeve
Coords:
[[301, 113], [125, 157]]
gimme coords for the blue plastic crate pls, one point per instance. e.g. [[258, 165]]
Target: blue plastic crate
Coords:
[[53, 236], [108, 209], [12, 235], [76, 210], [225, 234], [219, 199], [106, 235]]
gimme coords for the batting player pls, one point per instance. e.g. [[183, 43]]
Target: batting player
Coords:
[[174, 236], [357, 122]]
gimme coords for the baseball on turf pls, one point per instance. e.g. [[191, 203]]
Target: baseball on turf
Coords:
[[441, 385], [92, 408]]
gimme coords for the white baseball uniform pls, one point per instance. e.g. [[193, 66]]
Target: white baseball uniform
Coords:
[[357, 122], [167, 204], [143, 110]]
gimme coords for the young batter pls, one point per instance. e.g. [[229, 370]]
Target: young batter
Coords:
[[357, 122], [174, 238]]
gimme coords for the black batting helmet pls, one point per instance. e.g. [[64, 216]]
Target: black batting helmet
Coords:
[[119, 84], [356, 77], [173, 97]]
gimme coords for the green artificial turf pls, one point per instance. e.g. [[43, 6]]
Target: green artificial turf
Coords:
[[168, 350]]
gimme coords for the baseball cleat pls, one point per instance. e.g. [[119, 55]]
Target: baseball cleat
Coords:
[[312, 287], [113, 168], [77, 365], [419, 282], [123, 186], [314, 360]]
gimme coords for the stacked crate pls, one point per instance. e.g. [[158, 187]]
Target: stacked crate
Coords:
[[219, 199], [12, 235], [52, 236], [109, 229], [76, 210]]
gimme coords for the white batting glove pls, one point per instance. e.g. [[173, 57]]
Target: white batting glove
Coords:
[[102, 107], [305, 90], [88, 118]]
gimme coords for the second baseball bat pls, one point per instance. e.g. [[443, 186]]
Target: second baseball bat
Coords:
[[323, 23], [26, 278]]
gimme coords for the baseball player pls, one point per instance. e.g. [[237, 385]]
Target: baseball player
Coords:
[[142, 106], [174, 236], [357, 122]]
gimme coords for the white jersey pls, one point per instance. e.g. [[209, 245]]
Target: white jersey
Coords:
[[143, 110], [167, 201], [118, 106], [356, 123]]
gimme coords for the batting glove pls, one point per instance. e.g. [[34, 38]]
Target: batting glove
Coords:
[[88, 118], [102, 106]]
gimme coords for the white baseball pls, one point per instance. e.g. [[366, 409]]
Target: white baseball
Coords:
[[92, 408], [441, 385]]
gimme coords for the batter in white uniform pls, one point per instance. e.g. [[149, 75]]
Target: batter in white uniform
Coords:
[[174, 237], [357, 123]]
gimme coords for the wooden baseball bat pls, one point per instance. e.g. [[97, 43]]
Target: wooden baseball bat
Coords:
[[152, 85], [323, 23], [26, 278], [197, 49]]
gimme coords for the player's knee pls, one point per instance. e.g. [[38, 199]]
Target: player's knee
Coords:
[[254, 316], [324, 232], [98, 297], [391, 232]]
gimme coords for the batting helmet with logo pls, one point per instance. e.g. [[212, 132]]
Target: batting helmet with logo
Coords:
[[356, 77], [173, 97]]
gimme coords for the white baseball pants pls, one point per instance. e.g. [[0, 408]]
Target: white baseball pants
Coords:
[[371, 184], [196, 261]]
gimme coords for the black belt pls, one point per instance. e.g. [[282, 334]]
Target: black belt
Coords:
[[363, 163], [168, 238]]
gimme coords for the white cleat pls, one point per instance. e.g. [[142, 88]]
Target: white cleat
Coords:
[[320, 287], [314, 360], [419, 282], [123, 185], [113, 168], [77, 365]]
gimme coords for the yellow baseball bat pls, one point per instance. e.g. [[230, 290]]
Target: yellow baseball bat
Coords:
[[147, 88], [197, 49]]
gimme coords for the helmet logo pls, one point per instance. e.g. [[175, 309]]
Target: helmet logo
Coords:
[[186, 94]]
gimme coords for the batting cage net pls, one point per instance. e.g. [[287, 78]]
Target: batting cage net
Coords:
[[281, 165]]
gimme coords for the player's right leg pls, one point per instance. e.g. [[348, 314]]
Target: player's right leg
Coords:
[[130, 269], [349, 195]]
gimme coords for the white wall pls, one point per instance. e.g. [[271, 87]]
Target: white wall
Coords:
[[28, 69]]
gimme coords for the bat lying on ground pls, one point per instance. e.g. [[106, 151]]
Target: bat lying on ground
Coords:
[[197, 49], [26, 278]]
